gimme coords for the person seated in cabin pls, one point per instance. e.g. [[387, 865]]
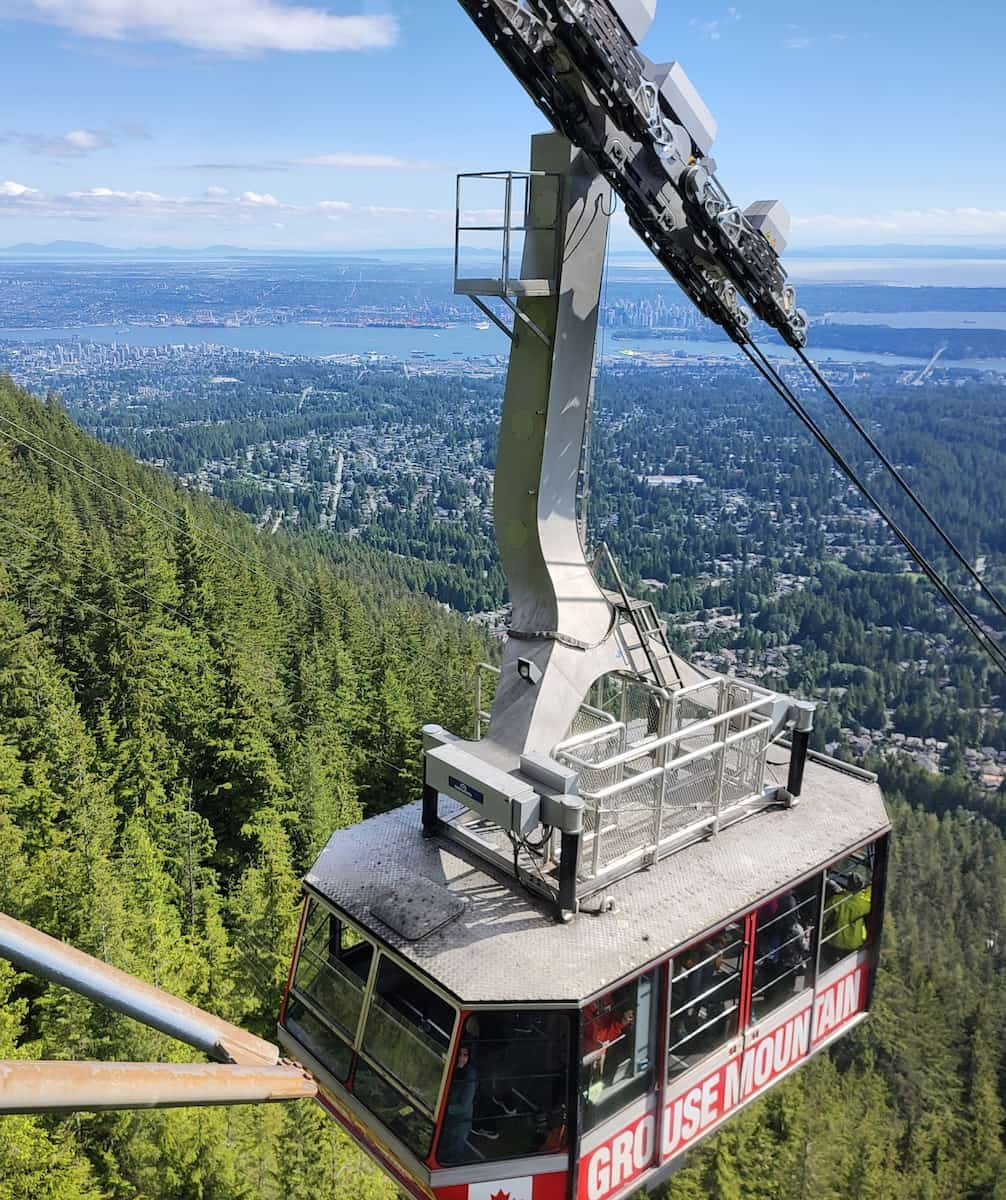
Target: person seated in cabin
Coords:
[[847, 929], [608, 1026], [782, 948], [493, 1034], [454, 1146]]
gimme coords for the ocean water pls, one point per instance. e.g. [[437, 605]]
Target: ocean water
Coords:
[[417, 345]]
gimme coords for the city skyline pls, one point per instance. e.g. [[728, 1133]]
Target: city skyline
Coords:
[[286, 126]]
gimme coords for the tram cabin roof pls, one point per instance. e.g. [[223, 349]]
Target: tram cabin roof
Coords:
[[505, 945]]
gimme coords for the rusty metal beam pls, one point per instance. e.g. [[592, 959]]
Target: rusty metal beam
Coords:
[[34, 1087], [39, 954]]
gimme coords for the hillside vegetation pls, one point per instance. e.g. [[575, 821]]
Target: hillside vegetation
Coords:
[[188, 709], [186, 713]]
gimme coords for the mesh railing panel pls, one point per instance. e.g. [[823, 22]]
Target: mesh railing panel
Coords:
[[689, 795], [744, 769], [644, 800], [642, 712], [698, 705], [627, 821], [588, 719]]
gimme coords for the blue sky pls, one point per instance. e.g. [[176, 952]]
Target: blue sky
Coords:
[[341, 125]]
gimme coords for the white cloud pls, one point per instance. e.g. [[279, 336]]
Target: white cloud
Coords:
[[709, 30], [217, 208], [255, 216], [84, 139], [258, 200], [369, 161], [800, 41], [712, 30], [222, 26], [922, 225], [103, 194], [67, 145], [9, 188]]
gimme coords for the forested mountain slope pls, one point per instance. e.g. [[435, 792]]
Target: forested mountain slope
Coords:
[[186, 712], [188, 709]]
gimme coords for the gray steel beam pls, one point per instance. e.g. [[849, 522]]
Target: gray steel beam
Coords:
[[39, 1087], [38, 954]]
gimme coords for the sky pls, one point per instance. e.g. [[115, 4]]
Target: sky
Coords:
[[341, 125]]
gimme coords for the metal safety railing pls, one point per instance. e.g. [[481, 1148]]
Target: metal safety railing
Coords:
[[691, 765], [522, 219], [589, 718]]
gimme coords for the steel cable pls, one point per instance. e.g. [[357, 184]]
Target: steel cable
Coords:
[[900, 480], [761, 363]]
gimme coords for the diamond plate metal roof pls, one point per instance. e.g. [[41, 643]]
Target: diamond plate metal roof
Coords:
[[506, 945]]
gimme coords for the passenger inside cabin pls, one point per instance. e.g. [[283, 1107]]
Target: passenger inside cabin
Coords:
[[454, 1147], [607, 1033], [849, 905], [555, 1131], [783, 939], [619, 1048], [705, 998], [491, 1100], [520, 1060]]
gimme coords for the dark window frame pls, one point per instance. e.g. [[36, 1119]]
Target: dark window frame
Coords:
[[378, 952], [566, 1073], [618, 1094], [741, 976], [336, 925]]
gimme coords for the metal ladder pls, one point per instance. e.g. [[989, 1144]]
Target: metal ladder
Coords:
[[651, 635]]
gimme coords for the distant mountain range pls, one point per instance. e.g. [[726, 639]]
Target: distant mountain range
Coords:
[[79, 250], [94, 250]]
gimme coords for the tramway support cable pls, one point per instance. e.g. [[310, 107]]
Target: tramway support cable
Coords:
[[902, 483], [988, 644]]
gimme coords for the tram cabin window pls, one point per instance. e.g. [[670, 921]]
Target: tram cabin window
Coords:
[[328, 987], [784, 947], [393, 1108], [848, 907], [619, 1048], [408, 1032], [326, 1045], [704, 1006], [508, 1090]]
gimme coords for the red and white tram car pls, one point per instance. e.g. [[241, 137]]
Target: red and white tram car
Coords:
[[479, 1049]]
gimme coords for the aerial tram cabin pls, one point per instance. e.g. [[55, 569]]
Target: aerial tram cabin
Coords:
[[477, 1046], [635, 899]]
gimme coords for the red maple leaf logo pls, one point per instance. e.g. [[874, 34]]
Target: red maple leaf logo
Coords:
[[500, 1195]]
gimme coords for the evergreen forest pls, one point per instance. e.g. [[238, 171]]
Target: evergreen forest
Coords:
[[189, 708]]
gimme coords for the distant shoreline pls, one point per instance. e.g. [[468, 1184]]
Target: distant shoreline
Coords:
[[459, 343]]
